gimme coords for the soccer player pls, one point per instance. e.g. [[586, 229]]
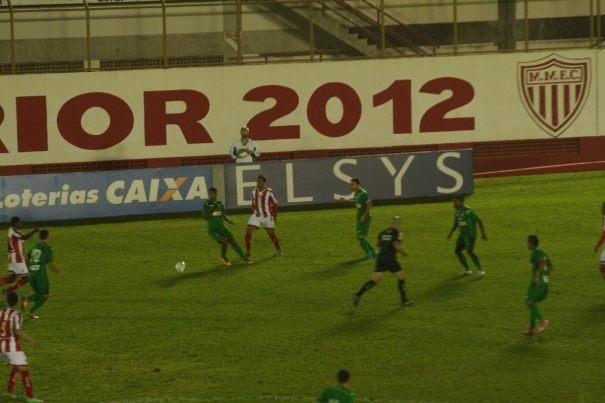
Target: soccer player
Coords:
[[264, 214], [600, 243], [11, 322], [363, 203], [466, 220], [245, 149], [16, 262], [40, 257], [340, 392], [213, 211], [389, 242], [541, 267]]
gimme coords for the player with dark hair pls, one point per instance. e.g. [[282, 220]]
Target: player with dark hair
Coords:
[[213, 211], [541, 267], [16, 259], [364, 204], [40, 256], [340, 392], [389, 242], [600, 243], [11, 323], [244, 149], [466, 220], [264, 214]]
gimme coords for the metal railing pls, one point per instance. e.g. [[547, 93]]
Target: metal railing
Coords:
[[87, 35]]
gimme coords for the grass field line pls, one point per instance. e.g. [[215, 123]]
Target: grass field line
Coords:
[[537, 168]]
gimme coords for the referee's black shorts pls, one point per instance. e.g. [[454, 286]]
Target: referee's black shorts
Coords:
[[387, 263]]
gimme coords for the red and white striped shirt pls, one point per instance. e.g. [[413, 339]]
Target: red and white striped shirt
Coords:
[[10, 321], [264, 202], [15, 245]]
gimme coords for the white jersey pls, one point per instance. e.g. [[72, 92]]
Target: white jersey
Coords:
[[238, 154], [264, 202], [15, 245], [10, 321]]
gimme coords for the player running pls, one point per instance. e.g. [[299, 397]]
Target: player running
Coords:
[[40, 257], [389, 242], [213, 211], [11, 322], [466, 219], [541, 267], [264, 214], [600, 243], [16, 260], [363, 203]]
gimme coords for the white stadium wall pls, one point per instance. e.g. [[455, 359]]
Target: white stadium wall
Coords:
[[129, 115]]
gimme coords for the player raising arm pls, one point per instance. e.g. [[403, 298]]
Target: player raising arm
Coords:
[[600, 243], [16, 262]]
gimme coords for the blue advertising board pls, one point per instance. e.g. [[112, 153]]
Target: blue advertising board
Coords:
[[104, 194]]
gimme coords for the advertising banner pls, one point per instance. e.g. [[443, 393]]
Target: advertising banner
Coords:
[[103, 194], [323, 181], [81, 117]]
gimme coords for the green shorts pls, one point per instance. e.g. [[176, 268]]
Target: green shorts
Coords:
[[39, 283], [464, 242], [537, 293], [217, 233], [363, 228]]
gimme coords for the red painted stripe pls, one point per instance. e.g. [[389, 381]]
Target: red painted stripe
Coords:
[[543, 101], [566, 100], [530, 94], [555, 104], [264, 203]]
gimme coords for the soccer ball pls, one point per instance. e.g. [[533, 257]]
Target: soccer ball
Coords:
[[180, 266]]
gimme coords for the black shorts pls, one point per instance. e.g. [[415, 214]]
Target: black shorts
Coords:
[[387, 263]]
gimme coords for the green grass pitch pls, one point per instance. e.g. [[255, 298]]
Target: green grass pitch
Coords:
[[121, 325]]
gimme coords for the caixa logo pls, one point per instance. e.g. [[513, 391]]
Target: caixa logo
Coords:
[[157, 190]]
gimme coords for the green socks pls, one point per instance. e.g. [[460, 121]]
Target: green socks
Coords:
[[462, 260], [224, 250], [40, 300], [475, 260], [367, 248], [534, 315]]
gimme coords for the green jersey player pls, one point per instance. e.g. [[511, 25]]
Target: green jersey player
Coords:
[[40, 258], [363, 203], [213, 211], [541, 266], [339, 393], [467, 220]]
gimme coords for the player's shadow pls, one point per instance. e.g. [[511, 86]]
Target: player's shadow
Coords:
[[337, 269], [216, 271], [593, 315], [358, 320], [448, 288], [219, 270]]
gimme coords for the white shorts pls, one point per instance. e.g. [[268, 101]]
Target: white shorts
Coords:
[[15, 358], [17, 268], [261, 221], [603, 256]]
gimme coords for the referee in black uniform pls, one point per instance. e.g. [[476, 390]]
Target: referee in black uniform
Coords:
[[389, 242]]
